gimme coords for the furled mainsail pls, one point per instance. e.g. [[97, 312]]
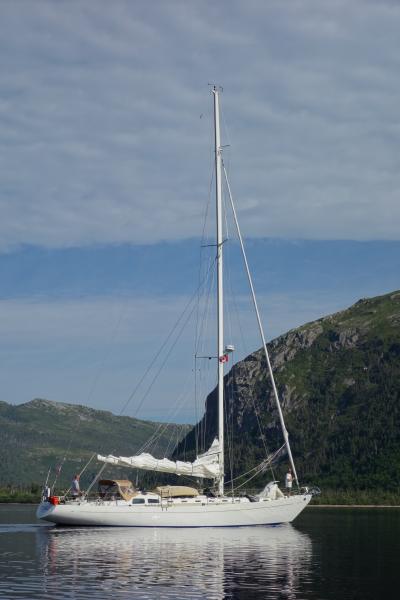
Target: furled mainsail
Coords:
[[206, 465]]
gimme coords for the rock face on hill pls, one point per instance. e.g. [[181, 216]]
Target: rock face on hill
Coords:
[[338, 379]]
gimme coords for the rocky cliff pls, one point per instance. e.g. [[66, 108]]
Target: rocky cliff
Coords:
[[338, 379]]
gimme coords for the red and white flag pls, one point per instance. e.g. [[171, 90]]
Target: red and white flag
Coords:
[[224, 358]]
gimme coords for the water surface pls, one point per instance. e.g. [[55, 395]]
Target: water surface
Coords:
[[327, 554]]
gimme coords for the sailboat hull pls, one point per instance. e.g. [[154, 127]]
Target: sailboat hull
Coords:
[[282, 510]]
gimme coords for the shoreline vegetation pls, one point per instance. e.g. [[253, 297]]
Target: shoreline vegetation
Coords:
[[357, 498], [328, 498], [11, 494]]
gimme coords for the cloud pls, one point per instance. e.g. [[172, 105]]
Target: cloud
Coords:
[[101, 137]]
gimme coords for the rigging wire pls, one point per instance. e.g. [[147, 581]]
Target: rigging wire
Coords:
[[229, 423], [196, 339], [200, 348], [233, 298], [205, 322], [275, 391], [232, 304], [258, 469], [162, 427], [169, 336], [178, 323]]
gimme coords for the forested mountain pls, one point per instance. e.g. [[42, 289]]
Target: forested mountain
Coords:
[[339, 383], [40, 434]]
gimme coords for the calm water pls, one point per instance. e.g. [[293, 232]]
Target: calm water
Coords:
[[336, 554]]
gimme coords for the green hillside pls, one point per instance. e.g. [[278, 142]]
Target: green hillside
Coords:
[[38, 435], [339, 383]]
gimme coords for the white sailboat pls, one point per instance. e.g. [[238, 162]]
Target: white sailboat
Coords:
[[119, 505]]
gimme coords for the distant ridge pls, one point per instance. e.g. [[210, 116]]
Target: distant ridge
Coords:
[[35, 436]]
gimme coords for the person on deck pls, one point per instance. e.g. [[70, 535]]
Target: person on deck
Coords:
[[75, 488], [289, 481]]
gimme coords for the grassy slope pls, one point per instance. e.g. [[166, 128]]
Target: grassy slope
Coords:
[[37, 435]]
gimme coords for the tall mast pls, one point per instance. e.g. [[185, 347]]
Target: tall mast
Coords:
[[220, 295]]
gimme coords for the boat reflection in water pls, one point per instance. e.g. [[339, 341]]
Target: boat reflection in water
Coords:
[[266, 562]]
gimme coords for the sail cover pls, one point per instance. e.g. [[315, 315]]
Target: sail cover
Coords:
[[206, 465]]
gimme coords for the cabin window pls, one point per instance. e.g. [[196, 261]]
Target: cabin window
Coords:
[[153, 501], [138, 501]]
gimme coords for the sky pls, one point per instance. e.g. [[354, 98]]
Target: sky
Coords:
[[106, 171]]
